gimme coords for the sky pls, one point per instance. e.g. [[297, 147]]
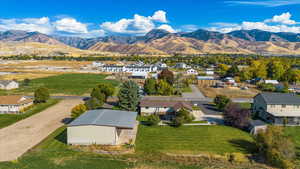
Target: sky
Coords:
[[94, 18]]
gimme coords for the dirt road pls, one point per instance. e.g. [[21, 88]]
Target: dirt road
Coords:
[[18, 138]]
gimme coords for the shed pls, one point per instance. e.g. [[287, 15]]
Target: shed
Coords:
[[256, 126], [103, 127]]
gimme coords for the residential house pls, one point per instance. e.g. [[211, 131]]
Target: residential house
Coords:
[[8, 84], [103, 127], [274, 82], [191, 72], [165, 109], [14, 104], [209, 73], [181, 66], [277, 108]]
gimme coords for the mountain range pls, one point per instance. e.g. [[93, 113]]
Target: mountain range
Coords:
[[155, 42]]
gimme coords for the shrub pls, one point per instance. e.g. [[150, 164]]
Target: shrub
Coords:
[[78, 110], [186, 115], [153, 120], [236, 116], [177, 121]]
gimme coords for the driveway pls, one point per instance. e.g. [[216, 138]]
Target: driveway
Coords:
[[195, 94], [17, 139]]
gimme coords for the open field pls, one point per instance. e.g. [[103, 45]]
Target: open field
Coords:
[[193, 140], [54, 153], [229, 92], [8, 119], [64, 84]]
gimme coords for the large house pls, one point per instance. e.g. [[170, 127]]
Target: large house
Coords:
[[103, 127], [8, 84], [14, 104], [277, 108], [165, 109]]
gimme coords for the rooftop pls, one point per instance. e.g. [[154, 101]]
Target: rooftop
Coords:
[[5, 82], [14, 100], [281, 98], [105, 117], [163, 103]]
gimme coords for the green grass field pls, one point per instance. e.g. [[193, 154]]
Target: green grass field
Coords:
[[193, 140], [294, 133], [54, 153], [8, 119], [69, 84]]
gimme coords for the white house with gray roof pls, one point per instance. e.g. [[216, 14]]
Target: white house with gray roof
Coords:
[[8, 84], [103, 127], [277, 108]]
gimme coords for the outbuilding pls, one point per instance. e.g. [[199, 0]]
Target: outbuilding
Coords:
[[103, 127]]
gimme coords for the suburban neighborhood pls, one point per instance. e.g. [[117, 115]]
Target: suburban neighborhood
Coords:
[[150, 84]]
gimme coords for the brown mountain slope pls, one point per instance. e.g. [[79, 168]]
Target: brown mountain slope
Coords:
[[41, 49], [137, 48]]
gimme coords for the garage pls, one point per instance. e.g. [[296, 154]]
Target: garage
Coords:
[[103, 127]]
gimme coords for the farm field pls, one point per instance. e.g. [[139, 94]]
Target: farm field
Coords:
[[8, 119], [64, 84], [193, 140]]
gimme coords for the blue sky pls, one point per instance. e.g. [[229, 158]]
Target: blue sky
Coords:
[[90, 18]]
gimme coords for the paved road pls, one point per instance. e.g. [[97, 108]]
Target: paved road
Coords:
[[17, 139]]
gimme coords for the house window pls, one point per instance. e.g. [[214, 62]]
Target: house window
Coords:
[[147, 107], [283, 106], [272, 106]]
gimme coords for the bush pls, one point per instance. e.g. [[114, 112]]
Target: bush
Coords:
[[236, 116], [41, 95], [93, 103], [267, 87], [186, 115], [237, 157], [152, 120], [178, 121], [221, 102], [277, 148], [78, 110]]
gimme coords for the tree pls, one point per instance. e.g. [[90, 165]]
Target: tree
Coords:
[[149, 86], [221, 102], [26, 82], [222, 68], [107, 89], [94, 103], [164, 88], [276, 147], [232, 71], [78, 110], [129, 96], [236, 116], [275, 69], [153, 120], [167, 75], [178, 121], [96, 93], [257, 69], [292, 76], [41, 95]]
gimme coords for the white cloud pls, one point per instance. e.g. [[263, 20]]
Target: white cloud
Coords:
[[70, 25], [42, 25], [265, 3], [167, 28], [160, 16], [284, 18], [278, 23], [137, 25]]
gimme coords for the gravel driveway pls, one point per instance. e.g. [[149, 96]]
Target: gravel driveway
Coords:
[[17, 139]]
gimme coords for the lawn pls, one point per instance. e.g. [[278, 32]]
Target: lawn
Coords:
[[68, 84], [54, 153], [8, 119], [193, 140], [293, 132]]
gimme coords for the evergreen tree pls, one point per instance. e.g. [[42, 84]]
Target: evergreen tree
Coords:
[[129, 96]]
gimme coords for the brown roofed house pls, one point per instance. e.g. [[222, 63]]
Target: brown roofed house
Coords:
[[14, 104], [165, 109]]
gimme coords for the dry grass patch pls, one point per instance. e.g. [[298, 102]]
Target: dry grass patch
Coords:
[[232, 92]]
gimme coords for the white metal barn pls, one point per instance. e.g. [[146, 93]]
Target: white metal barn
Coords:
[[103, 127]]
